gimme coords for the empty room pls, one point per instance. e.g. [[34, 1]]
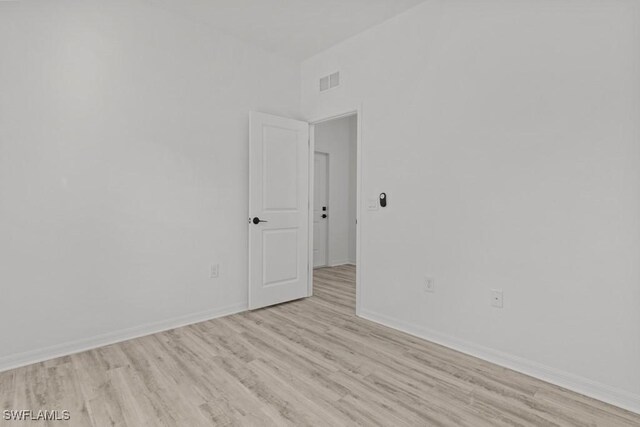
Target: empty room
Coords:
[[319, 213]]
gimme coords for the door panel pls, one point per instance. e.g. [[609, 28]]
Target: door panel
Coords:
[[320, 209], [279, 256], [280, 169], [278, 196]]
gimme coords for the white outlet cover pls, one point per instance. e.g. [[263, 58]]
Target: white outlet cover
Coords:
[[429, 284], [372, 204], [215, 271]]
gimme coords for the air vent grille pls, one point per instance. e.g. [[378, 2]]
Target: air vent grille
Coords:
[[329, 82]]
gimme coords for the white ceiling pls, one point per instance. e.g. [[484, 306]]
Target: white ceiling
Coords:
[[294, 28]]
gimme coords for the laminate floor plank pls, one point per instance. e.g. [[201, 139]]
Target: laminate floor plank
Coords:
[[308, 362]]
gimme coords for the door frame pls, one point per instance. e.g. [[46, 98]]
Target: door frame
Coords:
[[332, 114], [312, 197]]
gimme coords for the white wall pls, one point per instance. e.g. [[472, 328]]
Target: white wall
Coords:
[[353, 188], [338, 139], [123, 170], [506, 135]]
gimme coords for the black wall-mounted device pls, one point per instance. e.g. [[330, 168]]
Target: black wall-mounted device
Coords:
[[383, 200]]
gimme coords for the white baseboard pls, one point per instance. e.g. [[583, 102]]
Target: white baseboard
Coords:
[[65, 349], [339, 263], [585, 386]]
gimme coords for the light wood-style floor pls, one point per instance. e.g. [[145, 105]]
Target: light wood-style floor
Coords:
[[308, 362]]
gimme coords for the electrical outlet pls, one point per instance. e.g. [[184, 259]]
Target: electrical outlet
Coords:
[[215, 271], [496, 298], [429, 284]]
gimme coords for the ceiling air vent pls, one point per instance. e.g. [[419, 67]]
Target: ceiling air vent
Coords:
[[329, 82]]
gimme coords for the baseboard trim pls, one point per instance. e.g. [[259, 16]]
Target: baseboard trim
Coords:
[[339, 263], [65, 349], [585, 386]]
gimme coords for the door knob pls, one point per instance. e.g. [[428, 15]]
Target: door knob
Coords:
[[257, 220], [324, 215]]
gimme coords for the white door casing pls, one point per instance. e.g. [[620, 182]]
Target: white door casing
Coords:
[[320, 209], [278, 195]]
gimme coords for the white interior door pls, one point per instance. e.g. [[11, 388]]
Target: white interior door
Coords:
[[279, 209], [320, 209]]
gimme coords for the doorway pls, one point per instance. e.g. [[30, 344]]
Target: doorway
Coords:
[[282, 155], [335, 192]]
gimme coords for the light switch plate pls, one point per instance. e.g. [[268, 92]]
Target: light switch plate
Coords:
[[372, 204]]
